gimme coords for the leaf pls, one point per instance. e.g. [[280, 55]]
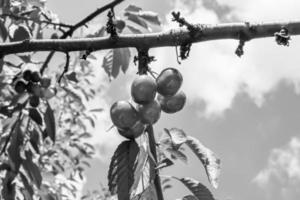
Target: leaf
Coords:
[[210, 161], [177, 136], [32, 169], [21, 33], [133, 8], [140, 17], [35, 115], [1, 64], [50, 123], [199, 190], [166, 162], [134, 30], [150, 16], [35, 140], [116, 59], [8, 191], [177, 154], [15, 146], [96, 110], [121, 169], [139, 169], [148, 194], [3, 30], [131, 16], [189, 197], [27, 186], [72, 77], [98, 33]]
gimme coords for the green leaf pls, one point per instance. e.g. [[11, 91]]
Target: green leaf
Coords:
[[166, 162], [72, 77], [199, 190], [121, 169], [116, 59], [131, 16], [178, 137], [35, 140], [15, 146], [35, 115], [32, 169], [27, 186], [210, 161], [140, 167], [3, 30], [148, 194], [21, 33], [134, 30], [8, 191], [133, 8], [50, 123], [140, 17], [189, 197], [150, 16]]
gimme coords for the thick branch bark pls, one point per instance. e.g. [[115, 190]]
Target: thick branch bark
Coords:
[[173, 37]]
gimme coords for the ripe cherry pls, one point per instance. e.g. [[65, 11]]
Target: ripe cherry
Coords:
[[35, 77], [27, 74], [123, 114], [34, 101], [143, 89], [45, 82], [169, 82], [133, 132], [172, 104], [20, 86], [149, 113]]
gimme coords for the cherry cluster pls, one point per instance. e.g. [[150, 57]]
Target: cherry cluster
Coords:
[[32, 83], [150, 96]]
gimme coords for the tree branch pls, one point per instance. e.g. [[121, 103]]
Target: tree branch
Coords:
[[173, 37], [83, 22]]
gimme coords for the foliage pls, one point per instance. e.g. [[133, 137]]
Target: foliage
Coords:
[[45, 127]]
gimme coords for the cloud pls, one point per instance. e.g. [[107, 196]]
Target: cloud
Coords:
[[214, 75], [281, 176]]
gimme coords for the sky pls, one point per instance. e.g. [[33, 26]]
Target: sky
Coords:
[[245, 109]]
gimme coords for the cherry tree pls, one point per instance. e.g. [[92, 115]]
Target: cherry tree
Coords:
[[44, 118]]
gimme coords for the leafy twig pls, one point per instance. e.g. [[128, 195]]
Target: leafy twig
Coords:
[[19, 17], [83, 22], [66, 68]]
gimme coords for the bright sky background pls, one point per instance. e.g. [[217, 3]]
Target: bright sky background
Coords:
[[246, 110]]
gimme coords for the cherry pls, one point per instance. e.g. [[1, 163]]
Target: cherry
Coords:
[[133, 132], [169, 82], [27, 74], [20, 86], [123, 114], [172, 104], [143, 89], [149, 113]]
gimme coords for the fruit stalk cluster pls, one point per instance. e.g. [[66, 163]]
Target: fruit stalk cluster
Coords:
[[150, 96]]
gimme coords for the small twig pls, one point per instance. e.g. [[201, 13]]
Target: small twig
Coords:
[[66, 68], [19, 17], [240, 49], [82, 22]]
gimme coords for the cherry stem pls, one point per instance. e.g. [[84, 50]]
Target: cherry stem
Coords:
[[152, 145]]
